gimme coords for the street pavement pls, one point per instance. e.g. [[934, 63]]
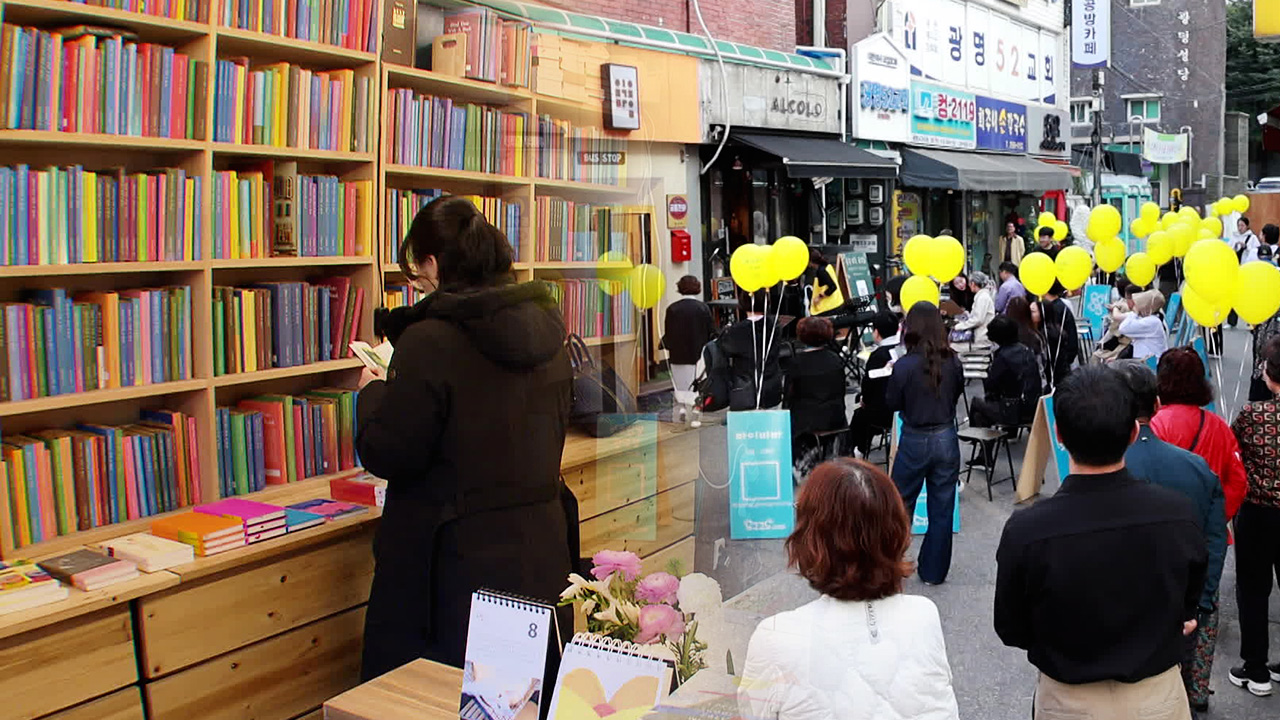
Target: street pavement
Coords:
[[992, 682]]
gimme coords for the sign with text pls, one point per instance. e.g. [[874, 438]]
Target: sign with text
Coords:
[[1091, 33], [1048, 132], [881, 99], [677, 211], [943, 117], [971, 45], [1002, 126], [1094, 305], [1164, 148], [760, 484], [857, 275], [757, 97], [591, 157]]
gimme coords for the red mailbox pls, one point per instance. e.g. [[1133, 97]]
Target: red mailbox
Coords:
[[681, 246]]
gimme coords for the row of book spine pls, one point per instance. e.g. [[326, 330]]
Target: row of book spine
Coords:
[[569, 231], [286, 105], [352, 25], [62, 481], [395, 296], [561, 146], [432, 131], [594, 307], [191, 10], [403, 205], [274, 211], [59, 343], [278, 439], [81, 82], [62, 215], [284, 324], [498, 50]]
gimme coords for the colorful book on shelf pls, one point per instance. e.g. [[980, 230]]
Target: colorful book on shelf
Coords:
[[351, 25], [561, 146], [568, 231], [433, 131], [150, 553], [276, 439], [89, 570], [284, 324], [90, 83], [285, 105], [192, 10], [498, 49], [25, 585], [208, 534], [594, 308], [403, 205], [362, 489], [296, 520], [254, 515], [330, 509]]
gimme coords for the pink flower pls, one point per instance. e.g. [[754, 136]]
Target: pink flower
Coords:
[[659, 587], [658, 621], [609, 561]]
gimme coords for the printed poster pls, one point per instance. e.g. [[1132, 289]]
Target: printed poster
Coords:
[[761, 503], [1093, 308]]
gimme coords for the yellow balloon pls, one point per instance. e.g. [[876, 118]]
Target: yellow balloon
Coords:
[[1160, 246], [1257, 292], [791, 255], [770, 272], [1141, 227], [1060, 231], [1150, 212], [1183, 235], [1204, 312], [1109, 254], [919, 288], [916, 254], [1188, 213], [1211, 268], [1037, 273], [1104, 222], [1074, 267], [1213, 225], [1207, 234], [1140, 269], [1168, 220], [746, 267], [1221, 207], [615, 266], [1046, 218], [1240, 203], [946, 259], [647, 285]]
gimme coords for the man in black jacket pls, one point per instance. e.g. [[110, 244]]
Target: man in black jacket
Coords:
[[1100, 583], [873, 417], [1061, 337]]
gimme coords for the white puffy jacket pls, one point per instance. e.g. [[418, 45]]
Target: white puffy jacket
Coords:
[[847, 660]]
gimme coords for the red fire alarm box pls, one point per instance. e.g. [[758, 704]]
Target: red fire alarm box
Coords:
[[681, 246]]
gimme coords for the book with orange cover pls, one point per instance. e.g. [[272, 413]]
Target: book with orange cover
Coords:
[[199, 528]]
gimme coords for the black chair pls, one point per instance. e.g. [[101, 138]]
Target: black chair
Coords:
[[988, 442]]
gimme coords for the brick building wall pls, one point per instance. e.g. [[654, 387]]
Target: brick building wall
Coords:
[[762, 23]]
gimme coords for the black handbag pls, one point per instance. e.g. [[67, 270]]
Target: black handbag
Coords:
[[602, 402]]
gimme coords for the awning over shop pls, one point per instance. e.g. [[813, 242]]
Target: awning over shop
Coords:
[[1063, 163], [979, 171], [808, 157]]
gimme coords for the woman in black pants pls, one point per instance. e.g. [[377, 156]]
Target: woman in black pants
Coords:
[[925, 386]]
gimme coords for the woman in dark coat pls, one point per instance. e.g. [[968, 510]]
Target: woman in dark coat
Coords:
[[467, 428]]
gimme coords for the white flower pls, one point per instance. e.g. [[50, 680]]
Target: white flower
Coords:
[[609, 615], [699, 595], [629, 612], [588, 607], [577, 585]]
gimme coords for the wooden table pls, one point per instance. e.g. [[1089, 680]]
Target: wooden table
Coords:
[[421, 690]]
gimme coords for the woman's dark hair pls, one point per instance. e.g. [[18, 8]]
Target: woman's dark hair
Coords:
[[1271, 355], [927, 334], [469, 252], [1122, 285], [1003, 330], [1019, 310], [885, 323], [815, 331], [816, 258], [1057, 290], [689, 285], [852, 532], [1180, 378], [1271, 234]]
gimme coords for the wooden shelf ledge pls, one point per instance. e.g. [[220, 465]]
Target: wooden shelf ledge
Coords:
[[98, 397], [273, 262], [149, 27], [399, 76], [112, 268], [308, 52], [291, 153], [287, 372], [71, 140], [453, 178]]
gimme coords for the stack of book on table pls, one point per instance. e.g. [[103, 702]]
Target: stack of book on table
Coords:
[[149, 552], [208, 534], [24, 586], [89, 570], [260, 520]]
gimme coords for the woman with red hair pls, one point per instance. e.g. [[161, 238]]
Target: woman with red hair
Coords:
[[1181, 420], [863, 649]]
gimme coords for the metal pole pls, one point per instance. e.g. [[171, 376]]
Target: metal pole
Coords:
[[1096, 138], [1191, 136]]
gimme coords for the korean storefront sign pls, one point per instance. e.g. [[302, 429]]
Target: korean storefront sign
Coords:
[[942, 117], [1047, 132], [1163, 148], [881, 97], [978, 48], [1001, 126], [1091, 33], [1183, 53]]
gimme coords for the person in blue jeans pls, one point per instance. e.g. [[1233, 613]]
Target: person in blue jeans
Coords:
[[924, 388]]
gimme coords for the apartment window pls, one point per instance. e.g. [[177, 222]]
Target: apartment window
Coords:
[[1081, 112], [1146, 108]]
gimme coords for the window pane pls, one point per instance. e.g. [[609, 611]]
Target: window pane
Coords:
[[1153, 109]]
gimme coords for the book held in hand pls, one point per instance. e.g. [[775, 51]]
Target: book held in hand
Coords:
[[89, 570], [149, 552], [377, 358]]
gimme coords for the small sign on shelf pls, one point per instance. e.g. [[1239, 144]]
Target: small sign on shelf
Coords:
[[621, 97], [587, 157]]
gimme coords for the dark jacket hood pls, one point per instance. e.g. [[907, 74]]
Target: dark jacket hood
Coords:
[[516, 326]]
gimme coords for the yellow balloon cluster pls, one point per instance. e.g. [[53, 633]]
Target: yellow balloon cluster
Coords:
[[941, 258], [1104, 222], [1109, 254], [1074, 266], [919, 288], [1217, 283], [1228, 205], [1140, 269], [762, 266], [1037, 273]]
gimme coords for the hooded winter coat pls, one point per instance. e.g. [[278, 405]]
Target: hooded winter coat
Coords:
[[468, 430]]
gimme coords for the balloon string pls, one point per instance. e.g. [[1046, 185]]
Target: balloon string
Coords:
[[1235, 400], [751, 304]]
